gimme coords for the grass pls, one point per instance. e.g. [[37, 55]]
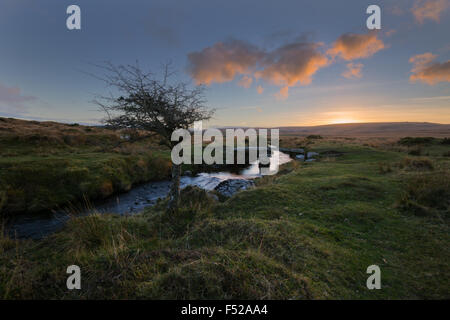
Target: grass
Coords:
[[44, 165], [308, 233]]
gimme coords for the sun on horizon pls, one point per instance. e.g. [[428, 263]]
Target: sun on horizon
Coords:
[[343, 120]]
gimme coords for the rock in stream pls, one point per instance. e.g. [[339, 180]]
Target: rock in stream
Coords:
[[229, 187]]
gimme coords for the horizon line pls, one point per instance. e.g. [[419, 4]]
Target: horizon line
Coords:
[[230, 126]]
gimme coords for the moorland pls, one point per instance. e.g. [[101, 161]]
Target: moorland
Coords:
[[308, 232]]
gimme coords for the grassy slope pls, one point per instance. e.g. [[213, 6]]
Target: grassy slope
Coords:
[[309, 232], [47, 164]]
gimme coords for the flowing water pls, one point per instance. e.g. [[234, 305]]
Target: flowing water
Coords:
[[36, 226]]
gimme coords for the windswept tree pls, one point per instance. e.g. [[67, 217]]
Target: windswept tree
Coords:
[[155, 106]]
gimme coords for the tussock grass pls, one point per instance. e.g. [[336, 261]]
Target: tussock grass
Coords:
[[416, 164], [223, 274], [427, 194]]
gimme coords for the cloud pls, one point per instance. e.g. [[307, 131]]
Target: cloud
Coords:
[[223, 61], [395, 10], [246, 81], [283, 93], [293, 64], [165, 34], [260, 90], [161, 25], [353, 70], [352, 46], [390, 32], [429, 9], [427, 71], [12, 99], [430, 99], [286, 66]]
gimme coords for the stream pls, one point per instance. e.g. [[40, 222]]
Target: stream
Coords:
[[36, 226]]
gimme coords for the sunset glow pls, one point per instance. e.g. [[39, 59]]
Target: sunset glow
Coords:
[[336, 121]]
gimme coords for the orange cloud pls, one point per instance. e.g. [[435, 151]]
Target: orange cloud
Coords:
[[12, 99], [352, 46], [293, 64], [353, 70], [260, 90], [390, 32], [283, 93], [429, 9], [427, 71], [223, 61], [286, 66], [246, 81]]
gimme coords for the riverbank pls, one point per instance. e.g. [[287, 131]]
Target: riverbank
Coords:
[[309, 232], [38, 225], [45, 165]]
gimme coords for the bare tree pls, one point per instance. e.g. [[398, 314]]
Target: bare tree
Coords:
[[156, 106]]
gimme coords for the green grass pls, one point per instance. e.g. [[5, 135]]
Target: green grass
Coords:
[[308, 233], [49, 165], [38, 184]]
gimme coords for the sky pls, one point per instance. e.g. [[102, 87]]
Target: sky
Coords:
[[264, 63]]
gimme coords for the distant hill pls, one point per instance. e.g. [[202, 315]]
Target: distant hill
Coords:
[[375, 129], [12, 127]]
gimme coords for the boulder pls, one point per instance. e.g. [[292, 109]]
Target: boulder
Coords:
[[229, 187], [300, 157]]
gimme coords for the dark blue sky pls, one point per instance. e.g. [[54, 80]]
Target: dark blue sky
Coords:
[[268, 63]]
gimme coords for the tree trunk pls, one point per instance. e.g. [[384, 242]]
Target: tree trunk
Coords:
[[174, 201]]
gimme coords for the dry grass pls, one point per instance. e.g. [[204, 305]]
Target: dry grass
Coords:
[[416, 164]]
